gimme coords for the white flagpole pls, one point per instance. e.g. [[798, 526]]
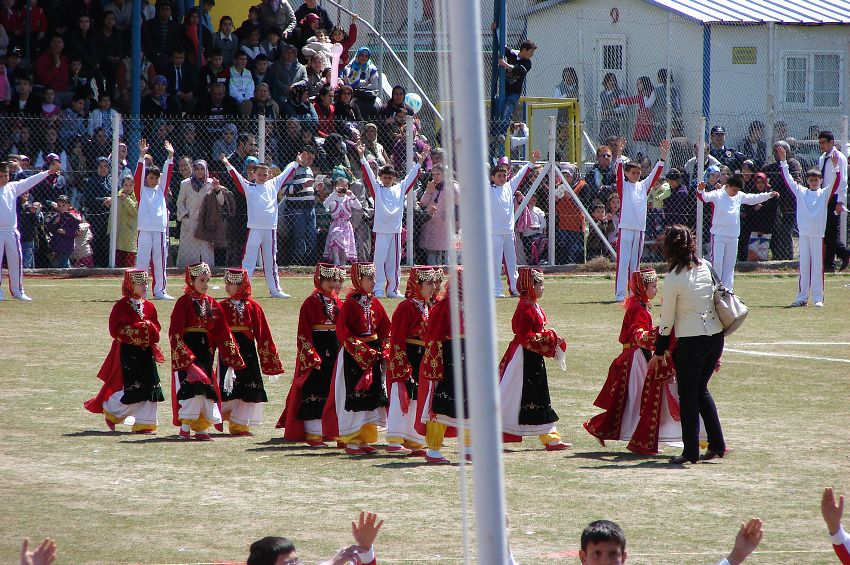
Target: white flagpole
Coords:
[[479, 310]]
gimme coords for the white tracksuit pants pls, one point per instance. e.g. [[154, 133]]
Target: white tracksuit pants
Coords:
[[10, 247], [387, 259], [153, 250], [811, 268], [504, 254], [629, 250], [264, 243], [724, 254]]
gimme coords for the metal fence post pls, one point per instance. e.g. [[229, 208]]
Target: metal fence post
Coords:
[[411, 196], [261, 139], [700, 170], [113, 207], [842, 227], [550, 249]]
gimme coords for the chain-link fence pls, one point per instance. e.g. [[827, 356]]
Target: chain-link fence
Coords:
[[756, 82]]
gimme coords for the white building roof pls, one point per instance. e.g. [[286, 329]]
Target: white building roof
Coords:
[[798, 12]]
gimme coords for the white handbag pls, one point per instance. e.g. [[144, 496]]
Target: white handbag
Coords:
[[731, 310]]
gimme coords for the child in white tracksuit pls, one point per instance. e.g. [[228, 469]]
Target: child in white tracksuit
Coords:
[[389, 210], [502, 223], [726, 223], [10, 238], [633, 202], [151, 188], [811, 223], [261, 199]]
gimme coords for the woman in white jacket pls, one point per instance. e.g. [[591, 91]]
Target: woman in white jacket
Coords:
[[193, 190], [688, 308]]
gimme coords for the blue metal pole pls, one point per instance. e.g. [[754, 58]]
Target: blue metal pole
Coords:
[[497, 85], [133, 125], [706, 74]]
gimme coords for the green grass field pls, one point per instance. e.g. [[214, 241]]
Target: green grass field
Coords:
[[120, 498]]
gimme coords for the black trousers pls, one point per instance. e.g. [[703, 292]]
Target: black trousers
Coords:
[[831, 246], [695, 358]]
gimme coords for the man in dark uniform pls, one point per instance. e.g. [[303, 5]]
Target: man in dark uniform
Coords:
[[728, 156]]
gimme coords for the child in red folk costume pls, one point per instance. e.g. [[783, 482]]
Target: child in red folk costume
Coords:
[[407, 348], [437, 416], [242, 391], [198, 327], [131, 385], [523, 383], [357, 401], [639, 408], [317, 348]]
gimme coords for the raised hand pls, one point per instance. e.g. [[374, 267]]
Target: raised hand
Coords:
[[830, 511], [701, 185], [535, 155], [169, 148], [781, 153], [143, 147], [361, 150], [224, 160], [747, 540], [44, 554], [664, 148], [366, 530]]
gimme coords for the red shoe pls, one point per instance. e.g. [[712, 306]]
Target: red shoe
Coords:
[[560, 446], [243, 434], [146, 431], [109, 424], [399, 449], [340, 444], [354, 451], [368, 449], [316, 443], [601, 441], [418, 453], [468, 458], [183, 435], [436, 460], [203, 437]]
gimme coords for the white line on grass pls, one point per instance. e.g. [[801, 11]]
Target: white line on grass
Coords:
[[770, 354], [757, 343]]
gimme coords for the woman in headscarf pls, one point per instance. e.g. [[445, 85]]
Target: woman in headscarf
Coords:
[[523, 382], [297, 105], [242, 391], [131, 382], [193, 190], [362, 75], [317, 348], [357, 401]]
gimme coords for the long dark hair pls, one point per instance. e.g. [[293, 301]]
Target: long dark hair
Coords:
[[680, 247]]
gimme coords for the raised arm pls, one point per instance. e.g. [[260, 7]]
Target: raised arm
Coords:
[[413, 174], [368, 176], [21, 186], [139, 176], [238, 180], [753, 199], [286, 174], [167, 169]]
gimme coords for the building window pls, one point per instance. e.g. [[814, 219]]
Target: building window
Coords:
[[812, 80]]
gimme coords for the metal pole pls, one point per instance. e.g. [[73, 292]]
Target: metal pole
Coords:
[[582, 104], [261, 139], [771, 76], [113, 207], [411, 196], [503, 43], [410, 37], [842, 226], [134, 129], [552, 166], [480, 323], [389, 50], [380, 36], [668, 88], [700, 170]]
